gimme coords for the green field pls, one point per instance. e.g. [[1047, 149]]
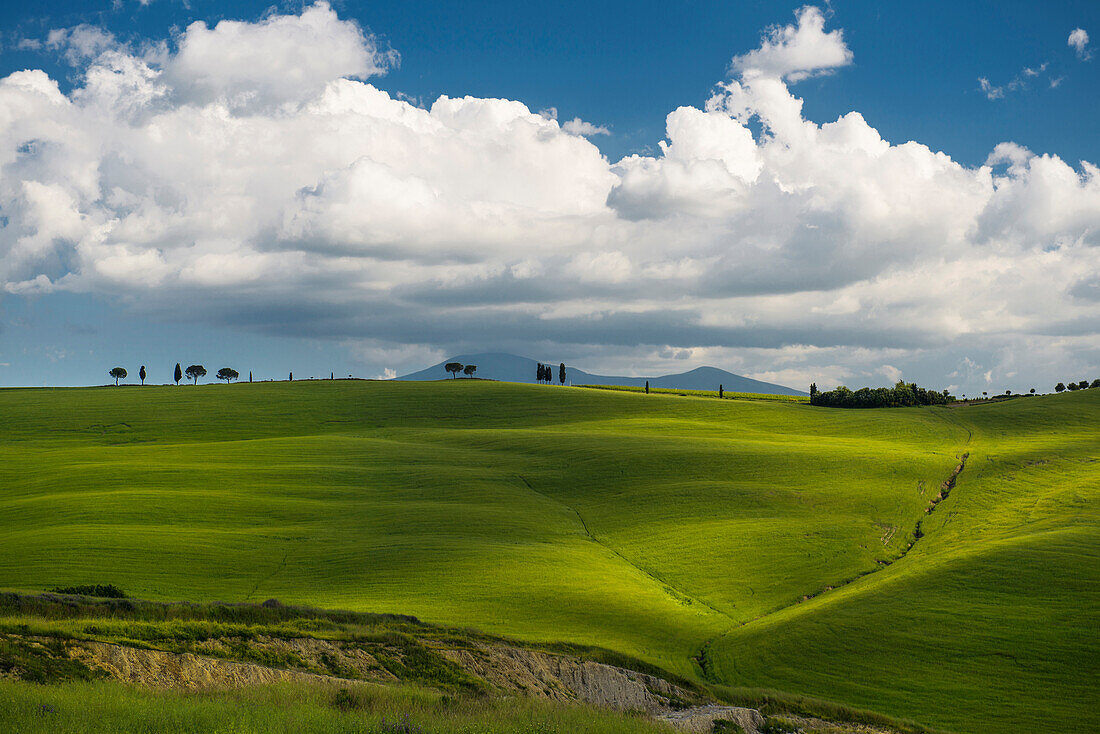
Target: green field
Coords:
[[703, 393], [700, 535]]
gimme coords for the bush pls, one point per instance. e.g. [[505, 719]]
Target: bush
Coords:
[[108, 591], [779, 725], [901, 395]]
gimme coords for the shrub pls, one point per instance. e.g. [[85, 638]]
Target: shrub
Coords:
[[779, 725], [104, 591], [344, 701], [899, 396]]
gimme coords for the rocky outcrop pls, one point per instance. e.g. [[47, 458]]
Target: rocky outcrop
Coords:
[[157, 669], [702, 718], [508, 669], [559, 677]]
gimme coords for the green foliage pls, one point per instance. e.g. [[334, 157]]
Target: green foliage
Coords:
[[227, 374], [40, 662], [104, 707], [412, 661], [195, 371], [657, 526], [901, 395], [118, 373], [779, 725], [106, 591]]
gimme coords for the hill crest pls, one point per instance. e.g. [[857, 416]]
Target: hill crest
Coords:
[[513, 368]]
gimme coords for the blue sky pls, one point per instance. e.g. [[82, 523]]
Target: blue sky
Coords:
[[914, 75], [627, 64]]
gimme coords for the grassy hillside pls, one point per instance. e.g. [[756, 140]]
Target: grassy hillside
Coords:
[[653, 525], [111, 708]]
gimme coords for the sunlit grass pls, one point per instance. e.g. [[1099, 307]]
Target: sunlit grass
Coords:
[[352, 708], [648, 524]]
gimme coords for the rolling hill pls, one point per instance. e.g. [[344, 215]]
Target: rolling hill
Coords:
[[753, 544], [511, 368]]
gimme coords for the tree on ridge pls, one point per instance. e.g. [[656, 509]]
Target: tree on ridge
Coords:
[[453, 367], [178, 374], [118, 373], [469, 370], [141, 374], [195, 371], [227, 374]]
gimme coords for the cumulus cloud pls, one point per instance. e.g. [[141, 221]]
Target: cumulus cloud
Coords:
[[796, 52], [1079, 40], [281, 59], [577, 126], [296, 197]]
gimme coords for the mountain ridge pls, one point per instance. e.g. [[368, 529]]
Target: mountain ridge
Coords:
[[514, 368]]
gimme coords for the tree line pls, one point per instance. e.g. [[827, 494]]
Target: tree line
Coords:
[[545, 373], [1082, 385], [901, 395], [193, 372]]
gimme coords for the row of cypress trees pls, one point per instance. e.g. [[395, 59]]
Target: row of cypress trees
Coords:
[[545, 373]]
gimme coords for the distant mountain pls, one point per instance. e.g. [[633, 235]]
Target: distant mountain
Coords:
[[511, 368]]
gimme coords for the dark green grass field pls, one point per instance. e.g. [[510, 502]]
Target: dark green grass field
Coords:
[[712, 538]]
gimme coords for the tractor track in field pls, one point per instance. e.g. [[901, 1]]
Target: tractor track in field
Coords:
[[265, 579], [666, 586], [945, 489]]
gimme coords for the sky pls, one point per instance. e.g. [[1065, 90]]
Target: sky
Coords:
[[847, 193]]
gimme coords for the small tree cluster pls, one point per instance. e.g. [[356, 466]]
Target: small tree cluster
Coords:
[[455, 367], [119, 373], [900, 395], [545, 373], [1082, 385]]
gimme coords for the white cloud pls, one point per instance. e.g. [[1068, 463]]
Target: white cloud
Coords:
[[1079, 40], [796, 52], [1021, 82], [303, 200], [989, 90], [893, 374], [81, 42], [281, 59], [577, 126]]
